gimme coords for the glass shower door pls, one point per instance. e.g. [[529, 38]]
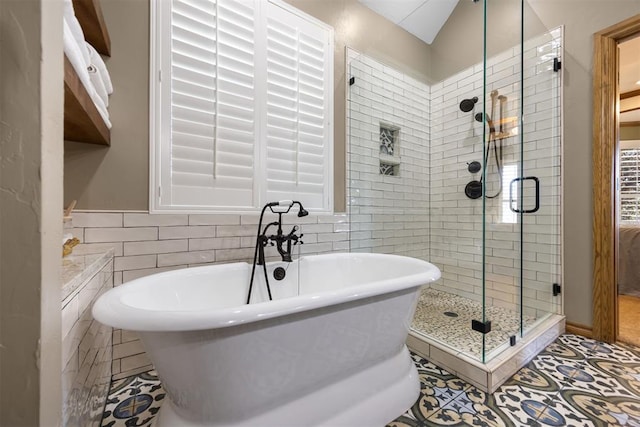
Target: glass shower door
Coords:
[[521, 180], [541, 157], [502, 208]]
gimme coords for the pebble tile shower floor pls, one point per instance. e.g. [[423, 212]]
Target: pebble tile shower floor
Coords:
[[575, 381], [434, 319]]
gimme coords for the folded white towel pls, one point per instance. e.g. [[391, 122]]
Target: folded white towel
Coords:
[[96, 60], [73, 52], [102, 109], [76, 29], [98, 84]]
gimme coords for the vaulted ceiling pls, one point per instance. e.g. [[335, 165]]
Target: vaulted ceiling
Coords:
[[422, 18], [425, 18]]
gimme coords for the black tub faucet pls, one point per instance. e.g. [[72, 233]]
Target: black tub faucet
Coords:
[[281, 239], [283, 242]]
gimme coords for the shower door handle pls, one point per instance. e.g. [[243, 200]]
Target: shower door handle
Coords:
[[536, 207]]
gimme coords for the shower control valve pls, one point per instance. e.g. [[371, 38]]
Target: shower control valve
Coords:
[[474, 167]]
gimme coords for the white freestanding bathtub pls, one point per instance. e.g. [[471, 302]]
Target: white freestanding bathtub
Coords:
[[328, 350]]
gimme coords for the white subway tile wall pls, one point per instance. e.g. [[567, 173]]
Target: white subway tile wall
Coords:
[[389, 213], [146, 244], [86, 349]]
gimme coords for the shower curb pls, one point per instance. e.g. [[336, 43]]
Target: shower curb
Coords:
[[491, 375]]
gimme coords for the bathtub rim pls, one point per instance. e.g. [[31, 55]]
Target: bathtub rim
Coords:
[[112, 311]]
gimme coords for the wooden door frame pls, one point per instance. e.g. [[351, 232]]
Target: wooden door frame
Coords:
[[606, 122]]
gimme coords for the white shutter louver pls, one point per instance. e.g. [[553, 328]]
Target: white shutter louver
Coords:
[[242, 106], [213, 130], [630, 184], [297, 109]]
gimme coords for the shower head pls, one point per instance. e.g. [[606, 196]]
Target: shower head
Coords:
[[467, 105], [287, 204], [302, 211]]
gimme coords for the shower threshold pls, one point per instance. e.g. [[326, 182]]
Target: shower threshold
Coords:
[[441, 333]]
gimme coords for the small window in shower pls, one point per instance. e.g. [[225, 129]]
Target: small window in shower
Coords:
[[389, 139]]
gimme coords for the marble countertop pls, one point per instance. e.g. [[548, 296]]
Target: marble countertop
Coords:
[[77, 269]]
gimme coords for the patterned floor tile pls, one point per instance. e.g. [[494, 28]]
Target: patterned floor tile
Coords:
[[620, 353], [564, 413], [572, 341], [595, 377], [523, 405], [601, 410], [473, 407], [626, 374], [564, 351], [436, 391], [562, 371], [573, 382], [535, 376], [133, 401]]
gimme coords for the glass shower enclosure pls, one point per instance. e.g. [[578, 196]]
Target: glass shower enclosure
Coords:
[[463, 169]]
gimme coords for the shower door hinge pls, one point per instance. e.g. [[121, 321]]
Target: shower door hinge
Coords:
[[557, 289], [483, 327], [557, 64], [352, 81]]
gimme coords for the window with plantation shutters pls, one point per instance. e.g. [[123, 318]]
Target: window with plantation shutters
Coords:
[[242, 106], [297, 108], [630, 184]]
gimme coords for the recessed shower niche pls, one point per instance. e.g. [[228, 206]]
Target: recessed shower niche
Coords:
[[389, 169], [389, 136], [389, 150]]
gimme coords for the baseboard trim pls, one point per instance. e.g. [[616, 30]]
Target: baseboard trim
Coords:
[[578, 329]]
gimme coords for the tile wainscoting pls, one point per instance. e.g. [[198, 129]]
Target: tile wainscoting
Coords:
[[145, 244], [86, 344]]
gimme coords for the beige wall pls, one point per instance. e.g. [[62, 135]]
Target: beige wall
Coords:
[[629, 132], [459, 44], [116, 178], [31, 99]]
